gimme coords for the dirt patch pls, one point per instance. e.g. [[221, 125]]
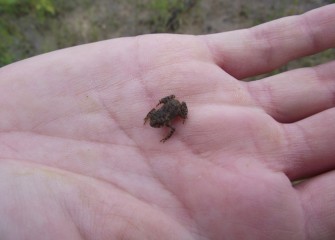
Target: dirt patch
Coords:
[[77, 22]]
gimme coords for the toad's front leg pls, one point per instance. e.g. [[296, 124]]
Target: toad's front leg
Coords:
[[170, 133]]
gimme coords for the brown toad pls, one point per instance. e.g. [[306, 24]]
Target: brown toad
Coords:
[[163, 116]]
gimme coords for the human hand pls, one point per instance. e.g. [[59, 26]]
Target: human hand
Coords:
[[77, 162]]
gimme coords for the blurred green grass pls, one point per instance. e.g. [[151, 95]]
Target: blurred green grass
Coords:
[[13, 45], [32, 27], [20, 7]]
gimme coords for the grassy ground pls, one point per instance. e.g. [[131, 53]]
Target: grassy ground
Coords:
[[31, 27]]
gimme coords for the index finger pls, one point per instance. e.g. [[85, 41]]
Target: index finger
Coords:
[[249, 52]]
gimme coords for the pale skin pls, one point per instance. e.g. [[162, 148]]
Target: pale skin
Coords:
[[76, 161]]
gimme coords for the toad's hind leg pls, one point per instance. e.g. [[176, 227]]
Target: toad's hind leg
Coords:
[[166, 99], [170, 133]]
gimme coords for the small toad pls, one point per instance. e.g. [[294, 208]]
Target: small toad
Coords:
[[163, 116]]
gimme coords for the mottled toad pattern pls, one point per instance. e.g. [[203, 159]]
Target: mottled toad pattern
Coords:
[[163, 116]]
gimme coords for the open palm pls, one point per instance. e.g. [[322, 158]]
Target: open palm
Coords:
[[78, 163]]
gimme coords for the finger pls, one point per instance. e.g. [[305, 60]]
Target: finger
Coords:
[[260, 49], [309, 148], [318, 203], [296, 94]]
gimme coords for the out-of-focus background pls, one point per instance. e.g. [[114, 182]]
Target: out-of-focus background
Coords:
[[32, 27]]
